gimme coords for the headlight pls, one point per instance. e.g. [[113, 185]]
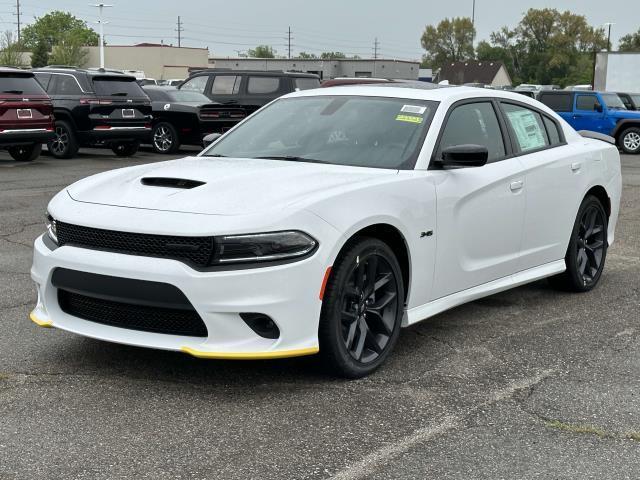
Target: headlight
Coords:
[[263, 247], [50, 224]]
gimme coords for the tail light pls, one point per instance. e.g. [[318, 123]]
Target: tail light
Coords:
[[94, 101]]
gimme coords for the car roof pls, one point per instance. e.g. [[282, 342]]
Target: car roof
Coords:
[[92, 73], [26, 73], [266, 73]]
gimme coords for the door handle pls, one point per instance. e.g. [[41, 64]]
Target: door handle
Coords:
[[576, 166], [517, 185]]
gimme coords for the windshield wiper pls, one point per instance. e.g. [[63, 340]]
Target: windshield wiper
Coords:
[[119, 94], [17, 92], [215, 155], [291, 158]]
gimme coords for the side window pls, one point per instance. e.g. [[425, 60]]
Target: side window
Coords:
[[43, 79], [477, 124], [64, 85], [559, 102], [226, 85], [196, 84], [552, 131], [529, 131], [626, 99], [263, 85], [587, 102]]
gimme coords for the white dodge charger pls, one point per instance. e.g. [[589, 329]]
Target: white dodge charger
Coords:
[[327, 221]]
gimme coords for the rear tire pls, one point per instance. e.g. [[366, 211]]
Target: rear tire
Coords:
[[587, 249], [64, 144], [25, 153], [125, 149], [164, 138], [629, 141], [362, 309]]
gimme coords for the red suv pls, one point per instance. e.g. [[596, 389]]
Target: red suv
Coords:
[[26, 114]]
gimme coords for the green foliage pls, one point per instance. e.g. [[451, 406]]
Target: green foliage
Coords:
[[55, 26], [332, 55], [307, 56], [10, 51], [450, 41], [262, 51], [40, 55], [630, 42], [70, 51]]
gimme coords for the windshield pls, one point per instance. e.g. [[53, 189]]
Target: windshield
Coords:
[[613, 102], [636, 100], [120, 87], [187, 96], [343, 130], [19, 84]]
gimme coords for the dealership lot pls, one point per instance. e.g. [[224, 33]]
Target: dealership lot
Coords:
[[527, 383]]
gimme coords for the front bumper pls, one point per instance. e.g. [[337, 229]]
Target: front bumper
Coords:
[[289, 294]]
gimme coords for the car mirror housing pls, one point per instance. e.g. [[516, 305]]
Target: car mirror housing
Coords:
[[209, 139], [598, 107], [461, 156]]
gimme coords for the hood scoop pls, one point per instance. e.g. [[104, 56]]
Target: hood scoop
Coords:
[[168, 182]]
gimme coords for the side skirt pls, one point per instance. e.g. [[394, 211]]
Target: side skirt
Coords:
[[430, 309]]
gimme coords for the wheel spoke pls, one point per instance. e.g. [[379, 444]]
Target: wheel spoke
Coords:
[[362, 336], [360, 278], [371, 314], [351, 335], [383, 302], [371, 340], [582, 261], [382, 281], [372, 270]]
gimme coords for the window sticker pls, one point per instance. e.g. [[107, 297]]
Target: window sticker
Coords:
[[527, 129], [409, 118], [417, 109]]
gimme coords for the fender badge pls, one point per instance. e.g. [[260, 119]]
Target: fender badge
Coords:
[[426, 234]]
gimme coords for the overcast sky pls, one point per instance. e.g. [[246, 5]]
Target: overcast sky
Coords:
[[350, 26]]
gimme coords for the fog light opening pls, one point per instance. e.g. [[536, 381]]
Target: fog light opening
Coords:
[[261, 324]]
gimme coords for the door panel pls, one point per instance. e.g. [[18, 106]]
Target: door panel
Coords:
[[585, 116]]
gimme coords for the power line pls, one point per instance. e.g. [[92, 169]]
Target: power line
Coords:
[[179, 30]]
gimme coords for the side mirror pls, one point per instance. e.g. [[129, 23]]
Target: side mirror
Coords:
[[209, 139], [598, 107], [461, 156]]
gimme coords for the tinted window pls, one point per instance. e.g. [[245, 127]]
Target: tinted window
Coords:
[[20, 85], [552, 131], [560, 102], [613, 101], [636, 100], [529, 131], [343, 130], [626, 99], [43, 79], [225, 85], [115, 86], [477, 124], [306, 83], [262, 85], [156, 95], [586, 102], [64, 85], [196, 84]]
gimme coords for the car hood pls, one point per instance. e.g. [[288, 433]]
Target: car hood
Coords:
[[230, 186], [624, 114]]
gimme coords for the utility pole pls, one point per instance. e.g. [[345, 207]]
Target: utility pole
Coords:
[[376, 46], [473, 14], [609, 24], [100, 7], [289, 42], [179, 30], [18, 17]]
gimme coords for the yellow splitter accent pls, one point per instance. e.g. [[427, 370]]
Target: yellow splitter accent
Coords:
[[39, 322], [251, 355]]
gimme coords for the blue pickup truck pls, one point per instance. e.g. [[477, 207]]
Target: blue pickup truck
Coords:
[[598, 112]]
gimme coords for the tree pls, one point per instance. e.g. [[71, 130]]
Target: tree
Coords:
[[70, 51], [630, 42], [55, 26], [40, 55], [10, 51], [306, 56], [332, 55], [450, 41], [262, 51]]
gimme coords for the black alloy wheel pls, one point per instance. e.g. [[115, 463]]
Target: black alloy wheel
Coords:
[[362, 309], [64, 144], [587, 249]]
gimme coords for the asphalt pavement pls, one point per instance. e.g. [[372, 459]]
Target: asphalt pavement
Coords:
[[529, 383]]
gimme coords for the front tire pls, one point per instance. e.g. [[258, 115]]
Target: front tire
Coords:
[[362, 309], [25, 153], [587, 249], [125, 149], [164, 138], [629, 141], [64, 144]]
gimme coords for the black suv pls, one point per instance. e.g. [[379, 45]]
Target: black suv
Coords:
[[95, 108], [248, 89]]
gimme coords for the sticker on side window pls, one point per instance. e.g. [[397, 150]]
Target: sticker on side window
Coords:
[[409, 118], [416, 109]]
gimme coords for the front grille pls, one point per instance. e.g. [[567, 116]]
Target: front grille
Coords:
[[133, 317], [196, 251]]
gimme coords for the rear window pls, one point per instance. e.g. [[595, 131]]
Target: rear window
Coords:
[[559, 102], [262, 85], [20, 85], [119, 87], [186, 96], [306, 83]]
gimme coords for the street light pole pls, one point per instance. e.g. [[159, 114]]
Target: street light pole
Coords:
[[609, 24], [100, 7], [473, 14]]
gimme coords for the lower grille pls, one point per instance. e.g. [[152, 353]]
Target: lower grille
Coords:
[[133, 317]]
